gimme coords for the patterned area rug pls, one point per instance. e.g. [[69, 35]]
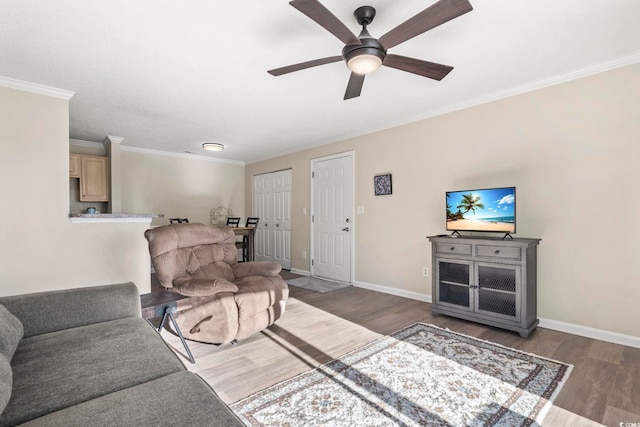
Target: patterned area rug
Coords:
[[420, 376], [317, 285]]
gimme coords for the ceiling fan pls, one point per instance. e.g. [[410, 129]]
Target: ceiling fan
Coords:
[[365, 54]]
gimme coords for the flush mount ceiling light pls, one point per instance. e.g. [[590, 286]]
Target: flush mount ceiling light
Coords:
[[212, 146]]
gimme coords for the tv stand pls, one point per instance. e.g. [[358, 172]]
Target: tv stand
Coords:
[[456, 233], [507, 235], [488, 280]]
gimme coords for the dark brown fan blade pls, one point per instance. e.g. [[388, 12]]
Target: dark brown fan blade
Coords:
[[355, 86], [436, 14], [301, 66], [417, 66], [316, 11]]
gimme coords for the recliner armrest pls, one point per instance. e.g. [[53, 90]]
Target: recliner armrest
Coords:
[[192, 287], [256, 268]]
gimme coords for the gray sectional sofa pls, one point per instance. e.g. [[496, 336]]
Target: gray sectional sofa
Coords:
[[85, 357]]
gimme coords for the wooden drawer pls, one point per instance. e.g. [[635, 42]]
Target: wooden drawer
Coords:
[[453, 248], [498, 252]]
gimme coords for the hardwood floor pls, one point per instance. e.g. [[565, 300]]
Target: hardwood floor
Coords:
[[604, 386]]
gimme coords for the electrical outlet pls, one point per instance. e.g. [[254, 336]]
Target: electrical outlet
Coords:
[[425, 271]]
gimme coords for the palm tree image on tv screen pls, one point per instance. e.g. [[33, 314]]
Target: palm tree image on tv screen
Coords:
[[491, 209]]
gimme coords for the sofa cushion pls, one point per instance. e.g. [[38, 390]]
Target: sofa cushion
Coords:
[[59, 369], [5, 382], [217, 269], [194, 287], [256, 294], [49, 311], [211, 319], [11, 332], [260, 301], [256, 268], [180, 399]]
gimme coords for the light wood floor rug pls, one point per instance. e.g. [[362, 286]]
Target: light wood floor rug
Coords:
[[422, 375]]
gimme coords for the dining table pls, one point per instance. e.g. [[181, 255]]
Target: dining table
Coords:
[[250, 232]]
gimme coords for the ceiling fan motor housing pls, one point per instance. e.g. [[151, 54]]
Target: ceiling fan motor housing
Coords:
[[364, 15], [368, 47], [364, 54]]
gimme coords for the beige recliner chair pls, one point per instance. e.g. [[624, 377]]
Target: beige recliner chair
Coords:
[[231, 300]]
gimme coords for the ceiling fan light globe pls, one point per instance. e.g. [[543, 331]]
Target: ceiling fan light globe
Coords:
[[364, 64]]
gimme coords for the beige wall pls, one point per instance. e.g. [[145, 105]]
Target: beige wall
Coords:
[[572, 151], [41, 249], [180, 187]]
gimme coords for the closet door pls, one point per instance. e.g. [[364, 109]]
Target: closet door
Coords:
[[282, 218], [262, 208], [272, 204]]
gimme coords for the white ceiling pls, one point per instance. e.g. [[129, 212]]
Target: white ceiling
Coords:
[[169, 75]]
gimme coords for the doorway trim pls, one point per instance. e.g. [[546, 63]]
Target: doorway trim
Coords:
[[352, 155]]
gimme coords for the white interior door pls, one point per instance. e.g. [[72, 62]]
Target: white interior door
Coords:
[[272, 204], [282, 217], [262, 208], [332, 218]]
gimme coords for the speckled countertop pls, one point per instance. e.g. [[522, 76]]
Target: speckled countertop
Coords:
[[116, 215], [77, 218]]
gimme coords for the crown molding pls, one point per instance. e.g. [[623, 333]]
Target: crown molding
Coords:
[[191, 156], [598, 68], [88, 144], [591, 70], [114, 139], [36, 88], [541, 84]]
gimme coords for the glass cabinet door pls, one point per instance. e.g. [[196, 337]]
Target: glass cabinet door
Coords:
[[453, 283], [498, 290]]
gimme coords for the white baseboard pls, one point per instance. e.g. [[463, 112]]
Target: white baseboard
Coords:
[[586, 331], [394, 291], [556, 325]]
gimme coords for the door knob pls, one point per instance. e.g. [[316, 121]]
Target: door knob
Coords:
[[345, 229]]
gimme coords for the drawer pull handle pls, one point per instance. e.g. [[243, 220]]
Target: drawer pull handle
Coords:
[[497, 251], [452, 248]]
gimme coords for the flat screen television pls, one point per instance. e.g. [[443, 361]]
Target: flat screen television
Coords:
[[489, 209]]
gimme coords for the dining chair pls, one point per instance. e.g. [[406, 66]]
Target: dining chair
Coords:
[[178, 220], [233, 221], [244, 244]]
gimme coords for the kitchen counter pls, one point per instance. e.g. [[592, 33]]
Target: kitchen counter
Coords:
[[77, 218]]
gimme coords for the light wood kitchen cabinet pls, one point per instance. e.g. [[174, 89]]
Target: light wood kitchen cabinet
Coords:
[[74, 166], [94, 179]]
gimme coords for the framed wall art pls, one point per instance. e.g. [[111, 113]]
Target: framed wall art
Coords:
[[382, 184]]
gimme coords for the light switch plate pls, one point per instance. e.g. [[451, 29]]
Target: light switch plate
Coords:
[[360, 210]]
